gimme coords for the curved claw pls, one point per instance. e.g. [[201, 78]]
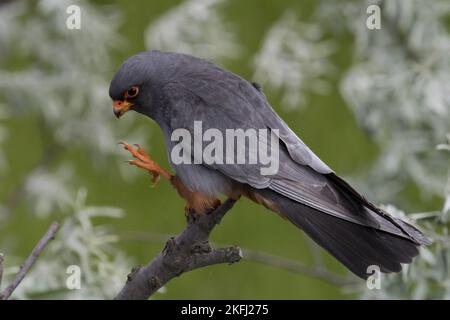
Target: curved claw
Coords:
[[144, 161], [155, 179], [149, 167]]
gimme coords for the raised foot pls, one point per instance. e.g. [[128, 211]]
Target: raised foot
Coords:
[[144, 161]]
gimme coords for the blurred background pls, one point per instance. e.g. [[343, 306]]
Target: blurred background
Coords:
[[373, 104]]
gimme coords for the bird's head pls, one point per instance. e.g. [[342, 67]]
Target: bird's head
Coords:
[[136, 84]]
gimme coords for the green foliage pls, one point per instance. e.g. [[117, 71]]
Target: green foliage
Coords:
[[398, 90], [58, 136]]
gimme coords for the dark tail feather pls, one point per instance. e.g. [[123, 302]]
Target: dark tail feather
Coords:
[[415, 234], [354, 245]]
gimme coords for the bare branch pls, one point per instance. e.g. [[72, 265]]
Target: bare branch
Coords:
[[188, 251], [26, 266], [297, 267], [317, 272], [215, 256]]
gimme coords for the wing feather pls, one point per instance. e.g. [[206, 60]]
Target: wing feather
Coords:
[[222, 100]]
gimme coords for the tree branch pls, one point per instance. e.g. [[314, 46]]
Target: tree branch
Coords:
[[317, 271], [188, 251], [26, 266]]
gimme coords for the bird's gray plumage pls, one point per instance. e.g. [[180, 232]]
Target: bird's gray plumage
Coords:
[[180, 89]]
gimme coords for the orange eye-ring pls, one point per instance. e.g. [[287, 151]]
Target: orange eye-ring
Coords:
[[132, 92]]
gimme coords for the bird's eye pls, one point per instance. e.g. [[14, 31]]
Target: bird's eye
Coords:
[[132, 92]]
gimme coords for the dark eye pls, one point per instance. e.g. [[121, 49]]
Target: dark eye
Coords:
[[132, 92]]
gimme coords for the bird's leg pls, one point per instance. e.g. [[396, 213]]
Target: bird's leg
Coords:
[[196, 202], [144, 161]]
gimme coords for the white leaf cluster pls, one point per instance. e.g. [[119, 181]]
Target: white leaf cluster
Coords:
[[428, 277], [49, 192], [399, 91], [64, 76], [194, 27], [82, 243], [294, 58], [61, 78], [397, 87]]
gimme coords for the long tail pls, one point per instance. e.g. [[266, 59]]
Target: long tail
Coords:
[[354, 245]]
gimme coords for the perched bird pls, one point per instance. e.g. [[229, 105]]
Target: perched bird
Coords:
[[175, 90]]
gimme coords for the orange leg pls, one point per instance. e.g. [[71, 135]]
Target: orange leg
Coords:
[[195, 201], [144, 161]]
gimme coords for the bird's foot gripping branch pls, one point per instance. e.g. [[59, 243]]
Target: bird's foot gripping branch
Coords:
[[188, 251]]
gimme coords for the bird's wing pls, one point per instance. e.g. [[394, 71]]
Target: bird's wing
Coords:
[[225, 101]]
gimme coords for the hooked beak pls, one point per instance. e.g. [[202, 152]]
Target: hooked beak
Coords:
[[120, 107]]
